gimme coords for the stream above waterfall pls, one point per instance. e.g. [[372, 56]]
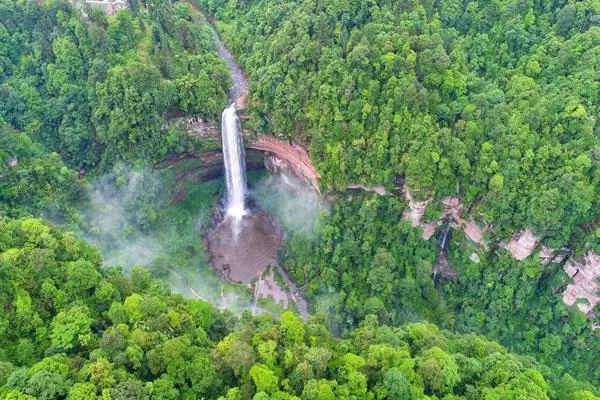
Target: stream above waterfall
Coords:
[[239, 89]]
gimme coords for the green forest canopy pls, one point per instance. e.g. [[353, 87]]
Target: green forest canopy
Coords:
[[494, 100], [73, 330]]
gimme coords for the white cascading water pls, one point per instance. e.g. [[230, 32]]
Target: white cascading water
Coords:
[[235, 168]]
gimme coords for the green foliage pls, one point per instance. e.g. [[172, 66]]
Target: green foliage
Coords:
[[520, 305], [127, 112], [80, 352], [101, 91], [497, 103], [32, 179], [493, 102], [69, 328], [264, 378], [497, 99], [368, 260], [376, 260]]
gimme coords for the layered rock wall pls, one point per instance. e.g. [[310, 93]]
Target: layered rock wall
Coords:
[[292, 154]]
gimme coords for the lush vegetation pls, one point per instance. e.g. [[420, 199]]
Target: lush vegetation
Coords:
[[369, 261], [31, 178], [82, 101], [70, 329], [496, 100], [99, 92]]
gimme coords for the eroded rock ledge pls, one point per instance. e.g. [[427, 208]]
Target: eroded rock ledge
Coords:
[[452, 210], [380, 190], [521, 245], [295, 156], [585, 272]]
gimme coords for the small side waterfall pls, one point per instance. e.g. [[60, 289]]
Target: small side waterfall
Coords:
[[235, 166]]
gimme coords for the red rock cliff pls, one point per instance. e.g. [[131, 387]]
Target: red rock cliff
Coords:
[[294, 155]]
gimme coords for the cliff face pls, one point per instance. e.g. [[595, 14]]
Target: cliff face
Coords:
[[584, 271], [295, 156], [452, 210]]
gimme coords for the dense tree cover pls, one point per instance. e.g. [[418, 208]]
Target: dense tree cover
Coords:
[[520, 304], [496, 99], [493, 101], [70, 330], [31, 178], [367, 261], [98, 91]]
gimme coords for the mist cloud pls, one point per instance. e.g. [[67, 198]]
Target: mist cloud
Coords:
[[119, 214], [294, 203]]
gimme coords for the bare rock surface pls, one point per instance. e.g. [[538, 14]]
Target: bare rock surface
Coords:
[[429, 229], [416, 209], [380, 190], [548, 255], [244, 249], [452, 209], [268, 288], [522, 244], [196, 126], [293, 154], [585, 272], [474, 231]]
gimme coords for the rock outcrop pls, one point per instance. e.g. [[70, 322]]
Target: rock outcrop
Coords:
[[452, 210], [415, 212], [241, 103], [109, 7], [522, 244], [292, 154], [380, 190], [550, 255], [294, 157], [196, 126], [585, 272]]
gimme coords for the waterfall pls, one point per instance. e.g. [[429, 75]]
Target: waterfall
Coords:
[[235, 167]]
